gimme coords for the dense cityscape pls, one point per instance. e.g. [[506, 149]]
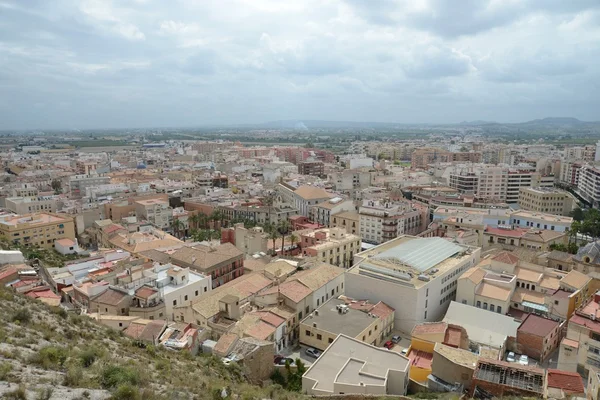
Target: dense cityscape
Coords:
[[287, 200]]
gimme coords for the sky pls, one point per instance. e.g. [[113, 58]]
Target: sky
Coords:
[[79, 64]]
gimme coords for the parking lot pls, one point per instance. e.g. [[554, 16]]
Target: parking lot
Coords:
[[298, 353], [531, 362]]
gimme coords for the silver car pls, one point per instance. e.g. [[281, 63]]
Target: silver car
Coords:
[[312, 352]]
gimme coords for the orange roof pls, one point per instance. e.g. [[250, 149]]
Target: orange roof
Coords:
[[427, 328], [293, 290], [570, 343], [420, 359], [506, 258], [493, 292], [569, 382], [453, 337], [382, 310], [145, 292], [261, 330], [272, 319]]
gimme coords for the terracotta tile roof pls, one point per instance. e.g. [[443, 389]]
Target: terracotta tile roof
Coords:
[[317, 276], [474, 274], [569, 382], [382, 310], [145, 292], [561, 294], [520, 295], [493, 292], [272, 319], [585, 322], [65, 242], [542, 235], [113, 228], [204, 257], [559, 256], [575, 279], [261, 330], [146, 330], [516, 233], [528, 275], [312, 193], [225, 342], [111, 297], [420, 359], [506, 258], [429, 328], [537, 325], [550, 282], [293, 290]]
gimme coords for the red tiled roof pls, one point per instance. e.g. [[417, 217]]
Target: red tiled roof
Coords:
[[537, 325], [506, 258], [113, 228], [453, 337], [436, 327], [420, 359], [569, 382], [42, 293], [272, 319], [8, 272], [382, 310], [570, 343], [145, 292], [517, 233], [588, 323]]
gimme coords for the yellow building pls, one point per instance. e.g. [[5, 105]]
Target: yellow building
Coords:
[[348, 220], [369, 323], [37, 230]]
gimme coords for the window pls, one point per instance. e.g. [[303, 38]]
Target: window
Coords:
[[484, 305], [555, 302], [174, 302], [205, 288], [425, 315], [106, 309], [499, 309], [307, 310], [330, 340], [425, 303], [307, 332], [185, 297], [342, 285], [300, 315], [318, 301], [478, 304], [464, 302], [332, 292], [319, 337], [492, 308]]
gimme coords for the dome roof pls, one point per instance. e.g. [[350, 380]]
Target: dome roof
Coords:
[[590, 253]]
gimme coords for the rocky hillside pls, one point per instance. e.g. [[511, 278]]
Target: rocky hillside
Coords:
[[47, 354]]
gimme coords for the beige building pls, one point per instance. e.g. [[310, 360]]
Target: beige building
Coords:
[[350, 366], [157, 212], [545, 200], [370, 325], [250, 241], [322, 212], [304, 197], [24, 205], [453, 365], [38, 230], [348, 220], [331, 245], [533, 238]]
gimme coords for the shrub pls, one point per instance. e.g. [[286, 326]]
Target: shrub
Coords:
[[45, 393], [19, 393], [88, 357], [278, 378], [73, 377], [126, 392], [5, 370], [50, 357], [22, 315], [115, 375]]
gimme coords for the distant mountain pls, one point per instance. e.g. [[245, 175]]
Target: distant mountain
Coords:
[[555, 121], [477, 122]]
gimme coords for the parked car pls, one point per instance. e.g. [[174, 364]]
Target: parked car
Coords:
[[312, 352], [284, 360], [389, 345], [396, 339], [404, 351], [277, 358], [511, 357], [524, 360]]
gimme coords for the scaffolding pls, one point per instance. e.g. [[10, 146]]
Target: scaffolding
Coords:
[[512, 377]]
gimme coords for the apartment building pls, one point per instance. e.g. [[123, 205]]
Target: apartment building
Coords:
[[304, 197], [351, 180], [86, 167], [341, 370], [126, 208], [383, 221], [570, 171], [223, 263], [533, 238], [546, 200], [25, 191], [365, 322], [24, 205], [540, 220], [589, 184], [157, 212], [79, 183], [348, 220], [518, 179], [316, 168], [36, 229], [416, 276], [321, 213], [421, 158], [331, 245], [579, 350]]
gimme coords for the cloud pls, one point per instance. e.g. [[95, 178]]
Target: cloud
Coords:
[[191, 62]]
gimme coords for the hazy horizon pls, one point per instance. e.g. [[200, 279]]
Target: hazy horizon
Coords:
[[85, 64]]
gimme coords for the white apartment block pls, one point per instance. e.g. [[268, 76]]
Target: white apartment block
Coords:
[[416, 276], [322, 212], [383, 221], [569, 172], [546, 200], [181, 286], [589, 184]]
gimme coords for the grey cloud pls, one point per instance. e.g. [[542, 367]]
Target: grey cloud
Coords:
[[437, 62]]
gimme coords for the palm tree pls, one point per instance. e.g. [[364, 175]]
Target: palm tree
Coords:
[[194, 219], [283, 228], [217, 215], [293, 239], [274, 235], [176, 224]]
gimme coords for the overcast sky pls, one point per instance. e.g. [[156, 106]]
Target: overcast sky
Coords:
[[144, 63]]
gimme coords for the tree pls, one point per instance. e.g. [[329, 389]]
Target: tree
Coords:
[[194, 219], [176, 224], [56, 186], [293, 239], [283, 228], [578, 214], [274, 235]]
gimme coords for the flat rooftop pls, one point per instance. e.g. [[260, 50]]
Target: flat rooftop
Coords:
[[404, 259], [329, 319], [30, 219], [348, 360]]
